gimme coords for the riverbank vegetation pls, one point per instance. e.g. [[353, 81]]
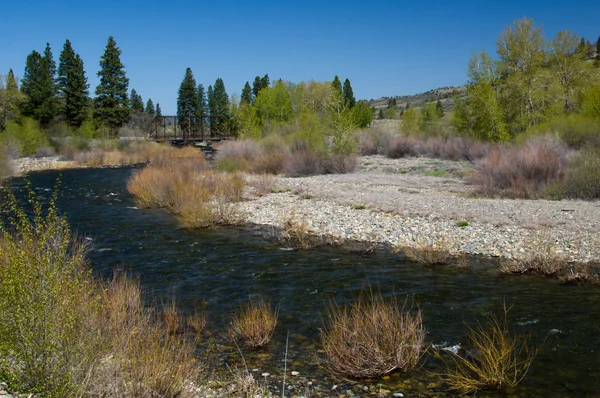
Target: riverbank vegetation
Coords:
[[65, 332]]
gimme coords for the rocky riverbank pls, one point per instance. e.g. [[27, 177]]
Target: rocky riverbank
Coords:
[[424, 202], [25, 165]]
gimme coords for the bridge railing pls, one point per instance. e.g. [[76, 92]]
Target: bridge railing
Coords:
[[175, 128]]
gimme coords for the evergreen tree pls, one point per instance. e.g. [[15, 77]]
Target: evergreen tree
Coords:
[[381, 115], [337, 85], [256, 86], [187, 97], [392, 103], [264, 81], [202, 103], [112, 103], [150, 107], [220, 107], [581, 46], [158, 110], [598, 49], [73, 86], [246, 97], [137, 103], [40, 86], [10, 99], [349, 99], [439, 109]]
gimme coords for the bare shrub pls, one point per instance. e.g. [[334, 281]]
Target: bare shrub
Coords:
[[302, 163], [44, 152], [430, 253], [543, 261], [399, 147], [270, 163], [172, 318], [255, 323], [372, 337], [367, 144], [196, 322], [581, 274], [262, 184], [498, 359], [237, 155], [341, 163], [521, 171]]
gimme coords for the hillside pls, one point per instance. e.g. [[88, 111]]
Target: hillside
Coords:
[[444, 94]]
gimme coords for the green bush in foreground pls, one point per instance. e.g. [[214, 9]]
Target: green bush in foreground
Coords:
[[64, 334], [45, 292]]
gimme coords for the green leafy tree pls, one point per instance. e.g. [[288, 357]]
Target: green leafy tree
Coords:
[[10, 98], [274, 104], [187, 98], [411, 122], [246, 97], [39, 85], [111, 102], [219, 107], [337, 85], [158, 110], [362, 114], [349, 99], [73, 86], [137, 103], [391, 113], [150, 107], [568, 67], [340, 122]]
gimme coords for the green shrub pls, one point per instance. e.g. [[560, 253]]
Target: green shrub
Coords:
[[28, 134], [582, 178], [45, 288], [577, 131]]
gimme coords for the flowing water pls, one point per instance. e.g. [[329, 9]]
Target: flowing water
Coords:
[[223, 266]]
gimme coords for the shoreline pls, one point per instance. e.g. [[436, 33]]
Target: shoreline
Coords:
[[395, 203]]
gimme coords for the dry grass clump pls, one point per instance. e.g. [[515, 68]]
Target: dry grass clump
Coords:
[[133, 153], [521, 171], [238, 155], [545, 260], [495, 358], [436, 253], [255, 323], [295, 233], [199, 198], [262, 183], [340, 163], [137, 357], [372, 337]]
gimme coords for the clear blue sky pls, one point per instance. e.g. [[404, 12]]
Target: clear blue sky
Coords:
[[384, 47]]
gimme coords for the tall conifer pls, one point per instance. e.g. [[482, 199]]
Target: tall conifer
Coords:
[[73, 86]]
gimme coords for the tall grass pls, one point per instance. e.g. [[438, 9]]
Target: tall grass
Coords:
[[255, 323], [498, 359], [62, 333], [199, 197], [371, 337]]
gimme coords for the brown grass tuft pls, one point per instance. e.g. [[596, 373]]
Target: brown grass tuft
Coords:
[[255, 323], [295, 233], [372, 337], [496, 358]]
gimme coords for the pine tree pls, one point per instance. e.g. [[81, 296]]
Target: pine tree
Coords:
[[137, 103], [11, 99], [439, 109], [112, 103], [246, 97], [349, 99], [256, 86], [581, 46], [150, 107], [158, 110], [39, 85], [202, 103], [337, 85], [210, 105], [598, 49], [220, 107], [264, 81], [187, 98], [73, 86]]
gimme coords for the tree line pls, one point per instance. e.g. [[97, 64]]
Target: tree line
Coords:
[[50, 93], [533, 81]]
